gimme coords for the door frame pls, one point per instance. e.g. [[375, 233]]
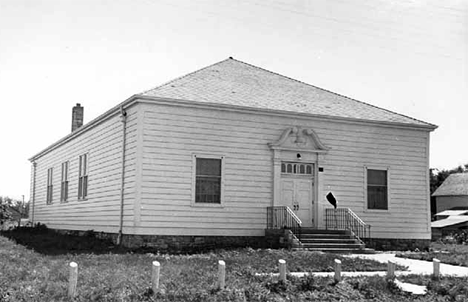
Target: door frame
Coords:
[[297, 144]]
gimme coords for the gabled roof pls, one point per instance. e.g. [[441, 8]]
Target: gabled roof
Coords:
[[238, 84], [454, 185], [232, 82]]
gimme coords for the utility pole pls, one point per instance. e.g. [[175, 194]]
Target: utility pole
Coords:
[[20, 210]]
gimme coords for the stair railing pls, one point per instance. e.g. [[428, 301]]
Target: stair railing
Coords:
[[346, 219], [282, 217]]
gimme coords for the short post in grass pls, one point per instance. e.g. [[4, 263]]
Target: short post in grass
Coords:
[[282, 270], [436, 263], [221, 274], [390, 269], [155, 276], [337, 270], [72, 279]]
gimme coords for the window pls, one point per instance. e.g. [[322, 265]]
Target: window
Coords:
[[83, 177], [208, 180], [64, 182], [297, 168], [377, 190], [50, 186]]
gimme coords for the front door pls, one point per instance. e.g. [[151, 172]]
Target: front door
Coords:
[[297, 192]]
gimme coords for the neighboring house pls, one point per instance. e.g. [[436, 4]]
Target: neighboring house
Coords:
[[200, 159], [449, 221], [9, 217], [453, 192]]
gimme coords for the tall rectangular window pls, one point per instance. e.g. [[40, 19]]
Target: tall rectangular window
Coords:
[[64, 182], [50, 186], [377, 190], [83, 177], [208, 180]]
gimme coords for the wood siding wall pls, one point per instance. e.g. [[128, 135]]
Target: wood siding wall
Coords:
[[101, 209], [172, 135]]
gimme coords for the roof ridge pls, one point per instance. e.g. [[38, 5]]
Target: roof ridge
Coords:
[[188, 74], [329, 91]]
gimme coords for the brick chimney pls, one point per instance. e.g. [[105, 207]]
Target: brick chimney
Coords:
[[77, 117]]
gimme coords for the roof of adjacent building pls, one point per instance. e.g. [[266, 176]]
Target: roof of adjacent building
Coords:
[[449, 221], [454, 185], [452, 213], [232, 82]]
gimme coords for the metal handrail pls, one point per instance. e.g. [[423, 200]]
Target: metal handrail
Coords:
[[346, 219], [282, 217], [291, 212]]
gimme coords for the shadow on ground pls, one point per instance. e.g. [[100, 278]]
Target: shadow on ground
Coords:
[[49, 242]]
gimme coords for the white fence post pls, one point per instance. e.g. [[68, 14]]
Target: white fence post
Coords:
[[390, 269], [282, 270], [436, 263], [337, 270], [72, 279], [221, 274], [155, 276]]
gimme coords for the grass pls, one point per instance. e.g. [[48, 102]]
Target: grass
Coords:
[[107, 273], [451, 288], [455, 254]]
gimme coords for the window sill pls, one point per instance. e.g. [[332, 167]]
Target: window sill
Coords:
[[207, 205], [383, 211]]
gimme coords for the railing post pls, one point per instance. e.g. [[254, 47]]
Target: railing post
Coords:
[[326, 219]]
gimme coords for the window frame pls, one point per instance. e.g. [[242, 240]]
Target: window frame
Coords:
[[50, 185], [194, 180], [83, 170], [366, 189], [64, 182]]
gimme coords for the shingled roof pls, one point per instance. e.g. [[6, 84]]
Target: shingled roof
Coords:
[[232, 82], [454, 185]]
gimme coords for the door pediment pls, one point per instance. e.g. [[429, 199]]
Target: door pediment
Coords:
[[297, 138]]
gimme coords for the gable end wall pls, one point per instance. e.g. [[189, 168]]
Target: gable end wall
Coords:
[[101, 210]]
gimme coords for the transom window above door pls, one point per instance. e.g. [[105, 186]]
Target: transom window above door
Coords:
[[297, 168]]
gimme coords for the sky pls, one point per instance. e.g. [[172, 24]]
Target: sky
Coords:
[[408, 56]]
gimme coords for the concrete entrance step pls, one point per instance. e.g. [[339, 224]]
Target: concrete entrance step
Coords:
[[322, 231], [326, 236], [328, 240], [338, 250], [331, 241]]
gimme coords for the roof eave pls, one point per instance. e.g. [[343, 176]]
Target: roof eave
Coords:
[[109, 113], [182, 102], [449, 194]]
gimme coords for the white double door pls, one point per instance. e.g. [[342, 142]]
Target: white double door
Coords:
[[298, 194]]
